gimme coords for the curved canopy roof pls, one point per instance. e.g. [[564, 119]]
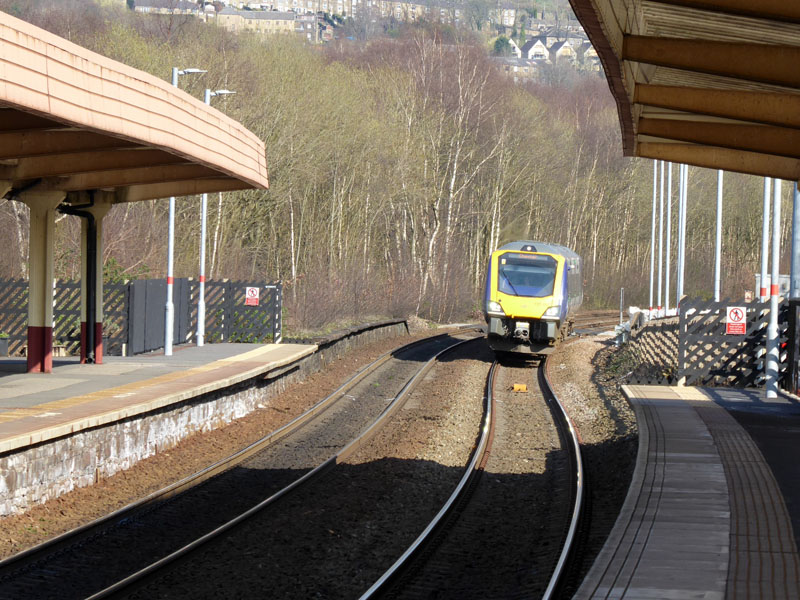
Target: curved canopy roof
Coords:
[[713, 83], [74, 121]]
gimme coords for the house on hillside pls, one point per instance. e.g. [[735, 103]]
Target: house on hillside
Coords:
[[518, 69], [587, 56], [506, 15], [267, 22], [562, 51], [168, 7], [535, 49], [515, 50]]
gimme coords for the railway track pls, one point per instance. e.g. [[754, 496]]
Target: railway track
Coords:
[[474, 547], [311, 494], [595, 321], [129, 540]]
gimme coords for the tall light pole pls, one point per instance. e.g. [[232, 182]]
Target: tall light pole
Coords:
[[718, 245], [201, 301], [653, 234], [169, 311]]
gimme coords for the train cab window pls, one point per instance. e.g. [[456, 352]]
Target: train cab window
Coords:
[[526, 275]]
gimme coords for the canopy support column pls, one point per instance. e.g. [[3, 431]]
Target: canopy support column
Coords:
[[40, 296]]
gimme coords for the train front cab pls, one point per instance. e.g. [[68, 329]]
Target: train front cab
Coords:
[[526, 301]]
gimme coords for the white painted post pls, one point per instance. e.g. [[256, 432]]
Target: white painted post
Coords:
[[718, 245], [653, 234], [669, 237], [773, 351], [763, 292], [660, 237]]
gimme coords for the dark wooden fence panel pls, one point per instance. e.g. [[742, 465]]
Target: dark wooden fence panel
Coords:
[[708, 356], [14, 312], [230, 319], [115, 317], [67, 316], [133, 314], [655, 350]]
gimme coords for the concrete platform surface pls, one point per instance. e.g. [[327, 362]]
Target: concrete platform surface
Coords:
[[41, 406], [713, 507]]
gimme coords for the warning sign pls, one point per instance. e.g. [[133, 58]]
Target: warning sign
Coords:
[[737, 321], [251, 296]]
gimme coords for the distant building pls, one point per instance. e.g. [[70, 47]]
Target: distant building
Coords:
[[507, 15], [168, 7], [518, 69], [268, 21], [535, 49], [587, 57], [562, 51]]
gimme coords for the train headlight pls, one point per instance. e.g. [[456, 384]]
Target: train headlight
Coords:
[[554, 312], [496, 309]]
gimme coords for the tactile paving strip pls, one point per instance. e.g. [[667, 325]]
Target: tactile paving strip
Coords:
[[764, 559]]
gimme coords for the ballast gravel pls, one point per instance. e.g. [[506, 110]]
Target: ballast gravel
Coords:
[[577, 370]]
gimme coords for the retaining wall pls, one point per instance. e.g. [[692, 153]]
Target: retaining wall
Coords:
[[38, 473]]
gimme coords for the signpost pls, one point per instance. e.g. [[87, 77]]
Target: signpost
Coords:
[[251, 296], [737, 321]]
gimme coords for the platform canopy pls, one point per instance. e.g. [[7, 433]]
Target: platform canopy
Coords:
[[712, 83], [74, 121]]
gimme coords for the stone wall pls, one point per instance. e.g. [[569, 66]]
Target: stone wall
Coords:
[[38, 473]]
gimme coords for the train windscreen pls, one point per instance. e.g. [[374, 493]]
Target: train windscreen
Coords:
[[529, 275]]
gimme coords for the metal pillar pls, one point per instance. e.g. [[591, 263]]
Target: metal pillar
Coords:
[[684, 180], [669, 237], [660, 236], [653, 234], [773, 350], [169, 309], [718, 245], [793, 337], [794, 286], [201, 301], [763, 292]]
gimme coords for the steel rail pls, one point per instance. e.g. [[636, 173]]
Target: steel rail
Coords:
[[469, 473], [152, 571], [560, 414], [85, 531], [580, 488]]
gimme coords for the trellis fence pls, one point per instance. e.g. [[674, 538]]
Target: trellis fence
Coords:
[[133, 314], [709, 356], [654, 349], [696, 349]]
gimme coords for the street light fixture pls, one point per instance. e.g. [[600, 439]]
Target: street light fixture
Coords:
[[201, 302], [169, 311]]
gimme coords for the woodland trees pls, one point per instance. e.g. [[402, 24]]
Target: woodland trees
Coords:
[[396, 166]]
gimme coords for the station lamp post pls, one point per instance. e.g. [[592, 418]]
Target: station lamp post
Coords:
[[169, 312], [201, 302]]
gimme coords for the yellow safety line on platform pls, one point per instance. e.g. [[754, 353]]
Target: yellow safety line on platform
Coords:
[[129, 388]]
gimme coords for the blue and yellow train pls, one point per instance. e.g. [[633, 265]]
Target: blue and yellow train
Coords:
[[533, 290]]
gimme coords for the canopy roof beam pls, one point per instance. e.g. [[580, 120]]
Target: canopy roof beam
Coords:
[[753, 62]]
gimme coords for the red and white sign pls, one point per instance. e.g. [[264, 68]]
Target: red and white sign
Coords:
[[251, 296], [737, 321]]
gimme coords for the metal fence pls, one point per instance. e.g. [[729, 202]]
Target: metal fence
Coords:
[[696, 348], [133, 314], [709, 356]]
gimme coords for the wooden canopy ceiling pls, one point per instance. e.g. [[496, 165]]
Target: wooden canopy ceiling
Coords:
[[74, 121], [712, 83]]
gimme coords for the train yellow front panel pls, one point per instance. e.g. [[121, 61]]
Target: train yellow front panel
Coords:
[[525, 306]]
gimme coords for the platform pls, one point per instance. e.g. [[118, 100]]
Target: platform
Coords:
[[708, 511], [42, 406]]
